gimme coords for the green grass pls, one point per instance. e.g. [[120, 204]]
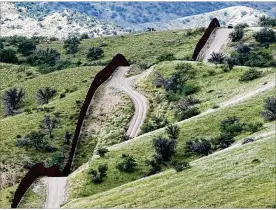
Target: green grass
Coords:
[[225, 180], [65, 109], [207, 126], [6, 196], [137, 48], [209, 77]]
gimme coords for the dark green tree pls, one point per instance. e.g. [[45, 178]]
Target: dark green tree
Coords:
[[94, 53], [71, 44], [13, 100], [26, 47]]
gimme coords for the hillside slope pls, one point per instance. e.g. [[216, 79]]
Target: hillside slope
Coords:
[[237, 178], [56, 24], [231, 15]]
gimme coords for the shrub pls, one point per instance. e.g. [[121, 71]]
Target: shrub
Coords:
[[47, 57], [186, 102], [231, 125], [8, 56], [26, 47], [237, 34], [269, 113], [224, 140], [188, 113], [13, 100], [242, 55], [241, 25], [267, 21], [102, 151], [165, 57], [164, 148], [200, 146], [155, 164], [184, 67], [49, 124], [173, 131], [127, 164], [190, 89], [228, 64], [36, 139], [71, 44], [250, 74], [84, 36], [216, 58], [265, 35], [180, 165], [94, 53], [253, 126], [43, 95], [102, 170], [155, 123], [57, 159]]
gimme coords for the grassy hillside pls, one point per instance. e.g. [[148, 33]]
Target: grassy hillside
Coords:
[[237, 178], [141, 147]]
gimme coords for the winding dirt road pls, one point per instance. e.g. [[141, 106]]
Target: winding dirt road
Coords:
[[120, 82], [215, 42], [56, 186]]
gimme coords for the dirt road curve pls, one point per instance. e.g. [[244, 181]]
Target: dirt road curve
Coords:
[[55, 191], [120, 82], [214, 43]]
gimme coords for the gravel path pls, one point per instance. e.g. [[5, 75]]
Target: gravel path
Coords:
[[216, 40], [120, 82], [55, 191]]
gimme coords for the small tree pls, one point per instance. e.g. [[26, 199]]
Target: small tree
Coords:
[[237, 34], [250, 74], [36, 139], [102, 170], [265, 35], [270, 109], [165, 148], [94, 53], [43, 95], [67, 137], [155, 164], [102, 151], [48, 56], [201, 146], [57, 159], [49, 124], [97, 176], [8, 56], [26, 47], [231, 125], [173, 131], [71, 44], [216, 58], [224, 140], [180, 165], [13, 100], [127, 164]]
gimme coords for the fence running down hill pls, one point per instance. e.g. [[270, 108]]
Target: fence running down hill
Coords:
[[39, 169], [213, 24]]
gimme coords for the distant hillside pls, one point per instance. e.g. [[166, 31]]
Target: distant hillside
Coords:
[[230, 15], [56, 24], [128, 13]]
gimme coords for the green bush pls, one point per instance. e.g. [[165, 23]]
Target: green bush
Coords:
[[57, 159], [47, 57], [154, 123], [216, 58], [269, 113], [13, 100], [43, 95], [94, 53], [250, 74], [165, 57], [231, 125], [265, 35], [8, 56], [188, 113], [102, 151], [71, 45], [127, 164], [173, 131], [164, 148], [224, 140], [26, 47], [253, 126], [237, 34], [155, 164], [199, 145]]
